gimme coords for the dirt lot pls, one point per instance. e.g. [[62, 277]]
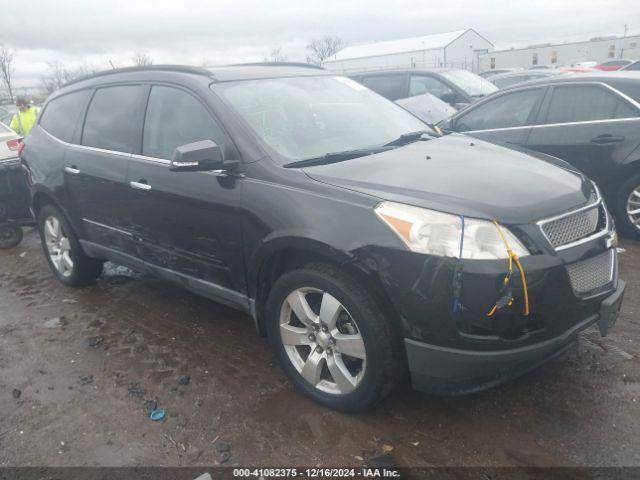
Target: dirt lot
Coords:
[[78, 366]]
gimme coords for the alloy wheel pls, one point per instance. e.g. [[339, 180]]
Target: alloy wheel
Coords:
[[58, 246], [633, 208], [322, 341]]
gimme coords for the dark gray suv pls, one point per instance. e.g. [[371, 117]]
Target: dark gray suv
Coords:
[[358, 239]]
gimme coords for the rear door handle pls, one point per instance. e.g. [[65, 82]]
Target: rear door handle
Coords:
[[140, 185], [607, 139], [72, 170]]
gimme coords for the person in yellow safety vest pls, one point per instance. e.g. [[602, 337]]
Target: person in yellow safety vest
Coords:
[[24, 118]]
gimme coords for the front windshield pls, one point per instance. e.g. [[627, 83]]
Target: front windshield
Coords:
[[308, 117], [472, 84]]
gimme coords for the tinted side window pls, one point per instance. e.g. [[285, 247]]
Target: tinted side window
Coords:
[[176, 118], [390, 86], [510, 110], [109, 119], [421, 84], [634, 66], [581, 103], [62, 114]]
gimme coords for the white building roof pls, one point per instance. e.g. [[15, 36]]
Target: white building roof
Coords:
[[413, 44]]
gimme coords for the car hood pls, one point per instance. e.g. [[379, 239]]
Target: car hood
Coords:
[[465, 176]]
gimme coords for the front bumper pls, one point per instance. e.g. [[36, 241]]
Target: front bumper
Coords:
[[444, 370]]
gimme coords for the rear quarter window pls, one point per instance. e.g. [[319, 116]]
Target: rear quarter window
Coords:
[[61, 114]]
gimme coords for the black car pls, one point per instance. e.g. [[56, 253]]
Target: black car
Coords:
[[590, 120], [456, 87], [358, 239]]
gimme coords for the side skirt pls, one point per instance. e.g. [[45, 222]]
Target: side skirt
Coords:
[[209, 290]]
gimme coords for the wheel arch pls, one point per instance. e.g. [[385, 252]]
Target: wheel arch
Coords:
[[288, 253]]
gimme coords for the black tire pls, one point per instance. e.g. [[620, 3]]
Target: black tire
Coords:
[[623, 221], [10, 236], [385, 357], [85, 269]]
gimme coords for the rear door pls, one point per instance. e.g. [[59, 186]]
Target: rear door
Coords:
[[590, 126], [96, 166], [505, 118], [186, 223]]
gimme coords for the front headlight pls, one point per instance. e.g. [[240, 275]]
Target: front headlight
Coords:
[[437, 233]]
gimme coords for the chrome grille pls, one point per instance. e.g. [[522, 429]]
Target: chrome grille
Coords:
[[593, 273], [574, 226]]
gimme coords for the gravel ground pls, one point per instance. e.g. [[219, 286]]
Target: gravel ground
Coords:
[[79, 368]]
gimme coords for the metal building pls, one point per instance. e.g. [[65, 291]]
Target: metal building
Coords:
[[598, 49], [459, 49]]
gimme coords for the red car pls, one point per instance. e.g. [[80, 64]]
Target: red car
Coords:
[[613, 65]]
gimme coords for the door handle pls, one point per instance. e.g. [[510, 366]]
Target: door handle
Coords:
[[140, 185], [607, 139], [72, 170]]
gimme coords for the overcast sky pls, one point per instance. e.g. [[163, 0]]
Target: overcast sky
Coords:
[[231, 31]]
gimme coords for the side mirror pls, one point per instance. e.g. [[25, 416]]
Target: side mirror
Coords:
[[450, 98], [201, 156]]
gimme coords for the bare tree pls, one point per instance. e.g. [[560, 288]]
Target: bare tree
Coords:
[[141, 59], [6, 69], [276, 55], [322, 48], [58, 74]]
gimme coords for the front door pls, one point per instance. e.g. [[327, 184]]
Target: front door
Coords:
[[186, 224]]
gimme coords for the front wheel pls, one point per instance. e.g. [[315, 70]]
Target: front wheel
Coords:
[[65, 256], [629, 207], [332, 338]]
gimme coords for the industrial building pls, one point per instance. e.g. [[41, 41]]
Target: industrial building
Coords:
[[598, 49], [459, 49]]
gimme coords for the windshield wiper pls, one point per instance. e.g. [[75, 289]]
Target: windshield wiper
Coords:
[[334, 157], [407, 138]]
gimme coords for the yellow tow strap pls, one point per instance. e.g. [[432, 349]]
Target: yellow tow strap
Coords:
[[513, 258]]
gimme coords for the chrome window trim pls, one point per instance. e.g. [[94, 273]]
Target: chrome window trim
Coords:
[[585, 122], [84, 147], [598, 203], [145, 158], [614, 90], [100, 150]]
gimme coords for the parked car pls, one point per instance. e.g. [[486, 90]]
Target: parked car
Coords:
[[427, 108], [632, 66], [591, 120], [613, 65], [358, 239], [9, 143], [504, 80], [14, 193], [490, 73], [458, 88]]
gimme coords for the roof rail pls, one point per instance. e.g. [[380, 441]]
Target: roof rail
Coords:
[[278, 64], [168, 68]]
